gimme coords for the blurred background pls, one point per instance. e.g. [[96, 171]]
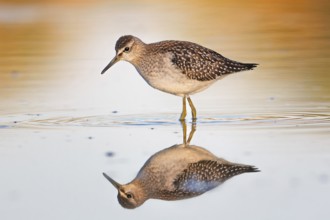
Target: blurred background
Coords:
[[62, 123], [51, 47]]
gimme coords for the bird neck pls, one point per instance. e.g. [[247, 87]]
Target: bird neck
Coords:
[[141, 189], [140, 52]]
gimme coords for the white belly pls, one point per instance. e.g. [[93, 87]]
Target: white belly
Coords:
[[167, 78], [176, 83]]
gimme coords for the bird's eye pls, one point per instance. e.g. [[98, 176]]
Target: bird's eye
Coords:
[[126, 49], [129, 195]]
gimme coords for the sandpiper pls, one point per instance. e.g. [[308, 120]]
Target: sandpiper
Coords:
[[180, 68], [179, 172]]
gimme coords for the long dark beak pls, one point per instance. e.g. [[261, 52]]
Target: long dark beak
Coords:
[[113, 61], [114, 183]]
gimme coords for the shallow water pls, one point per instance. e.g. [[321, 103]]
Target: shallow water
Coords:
[[62, 123]]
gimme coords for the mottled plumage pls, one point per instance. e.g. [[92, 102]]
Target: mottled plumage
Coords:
[[198, 62], [179, 172], [177, 67], [203, 176]]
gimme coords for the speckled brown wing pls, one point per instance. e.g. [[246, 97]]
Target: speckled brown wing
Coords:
[[206, 174], [201, 177], [201, 63]]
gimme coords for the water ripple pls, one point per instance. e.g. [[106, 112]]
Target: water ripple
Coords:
[[316, 119]]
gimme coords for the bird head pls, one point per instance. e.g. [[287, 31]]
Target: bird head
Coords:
[[128, 49], [129, 195]]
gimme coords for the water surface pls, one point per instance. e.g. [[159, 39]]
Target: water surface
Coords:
[[62, 123]]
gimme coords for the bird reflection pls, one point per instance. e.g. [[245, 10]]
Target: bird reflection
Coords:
[[179, 172]]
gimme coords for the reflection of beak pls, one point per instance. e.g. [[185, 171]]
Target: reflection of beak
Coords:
[[113, 61], [114, 183]]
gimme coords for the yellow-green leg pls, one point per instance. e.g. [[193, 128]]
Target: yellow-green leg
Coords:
[[184, 110], [193, 109], [192, 131], [184, 131], [186, 141]]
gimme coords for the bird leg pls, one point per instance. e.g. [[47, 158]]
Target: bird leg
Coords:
[[193, 109], [186, 141], [192, 131], [184, 131], [184, 111]]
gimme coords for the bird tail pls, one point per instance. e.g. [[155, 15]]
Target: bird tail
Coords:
[[250, 66], [237, 169], [249, 169], [234, 66]]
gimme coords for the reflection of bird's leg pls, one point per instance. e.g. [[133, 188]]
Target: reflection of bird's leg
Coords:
[[193, 109], [184, 111], [184, 131], [192, 131]]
